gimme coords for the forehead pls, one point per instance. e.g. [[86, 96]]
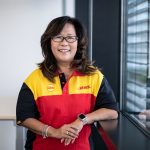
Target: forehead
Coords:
[[68, 29]]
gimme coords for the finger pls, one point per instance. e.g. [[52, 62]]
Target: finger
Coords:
[[71, 135], [72, 141], [75, 128], [67, 141], [73, 131], [62, 140]]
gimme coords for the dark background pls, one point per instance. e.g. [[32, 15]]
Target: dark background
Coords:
[[106, 36]]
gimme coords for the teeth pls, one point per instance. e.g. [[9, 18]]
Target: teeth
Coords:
[[64, 50]]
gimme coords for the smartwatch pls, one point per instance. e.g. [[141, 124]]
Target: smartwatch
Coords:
[[83, 118]]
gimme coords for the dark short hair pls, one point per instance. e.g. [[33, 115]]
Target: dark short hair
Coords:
[[81, 62]]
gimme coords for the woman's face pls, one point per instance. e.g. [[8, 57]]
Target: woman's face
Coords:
[[62, 50]]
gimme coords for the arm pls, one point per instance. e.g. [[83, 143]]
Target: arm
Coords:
[[101, 114], [27, 116], [105, 107], [37, 127]]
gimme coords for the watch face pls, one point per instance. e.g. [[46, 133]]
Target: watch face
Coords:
[[82, 116]]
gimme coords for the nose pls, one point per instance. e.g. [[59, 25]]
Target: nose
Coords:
[[64, 42]]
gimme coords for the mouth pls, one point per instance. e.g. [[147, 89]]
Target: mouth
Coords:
[[64, 50]]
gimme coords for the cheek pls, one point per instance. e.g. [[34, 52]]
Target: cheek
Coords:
[[74, 48], [53, 47]]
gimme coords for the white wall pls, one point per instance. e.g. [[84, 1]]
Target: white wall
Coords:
[[22, 22]]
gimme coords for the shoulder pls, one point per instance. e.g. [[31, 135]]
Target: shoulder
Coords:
[[34, 76], [97, 72], [97, 77]]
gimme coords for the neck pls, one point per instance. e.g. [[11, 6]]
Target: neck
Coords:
[[66, 69]]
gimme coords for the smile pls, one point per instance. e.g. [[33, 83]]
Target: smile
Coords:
[[64, 50]]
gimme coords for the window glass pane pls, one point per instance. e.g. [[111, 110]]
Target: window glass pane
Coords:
[[137, 38], [136, 62], [139, 48], [139, 17], [141, 27]]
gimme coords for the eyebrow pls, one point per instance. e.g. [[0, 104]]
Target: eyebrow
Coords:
[[68, 34]]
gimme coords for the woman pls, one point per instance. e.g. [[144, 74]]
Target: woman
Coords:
[[60, 100]]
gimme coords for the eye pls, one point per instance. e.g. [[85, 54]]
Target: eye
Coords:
[[71, 37], [57, 38]]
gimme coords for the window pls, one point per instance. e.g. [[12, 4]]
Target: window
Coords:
[[136, 62]]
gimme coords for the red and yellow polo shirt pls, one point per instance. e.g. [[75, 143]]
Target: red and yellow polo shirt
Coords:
[[60, 103]]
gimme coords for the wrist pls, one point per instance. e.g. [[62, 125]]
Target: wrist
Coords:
[[83, 118], [52, 132], [79, 123], [44, 131]]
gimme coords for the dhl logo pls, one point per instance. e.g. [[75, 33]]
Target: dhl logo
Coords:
[[84, 87]]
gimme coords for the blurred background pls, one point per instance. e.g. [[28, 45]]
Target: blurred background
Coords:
[[118, 33]]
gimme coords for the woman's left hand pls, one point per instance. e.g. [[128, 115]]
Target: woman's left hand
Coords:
[[78, 125]]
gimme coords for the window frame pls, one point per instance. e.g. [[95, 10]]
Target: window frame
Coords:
[[123, 81]]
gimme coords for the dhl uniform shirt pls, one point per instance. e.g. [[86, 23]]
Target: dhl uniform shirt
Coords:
[[59, 103]]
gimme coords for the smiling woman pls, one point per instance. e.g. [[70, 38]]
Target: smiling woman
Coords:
[[65, 95], [64, 46]]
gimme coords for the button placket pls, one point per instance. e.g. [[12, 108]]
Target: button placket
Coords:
[[65, 89]]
